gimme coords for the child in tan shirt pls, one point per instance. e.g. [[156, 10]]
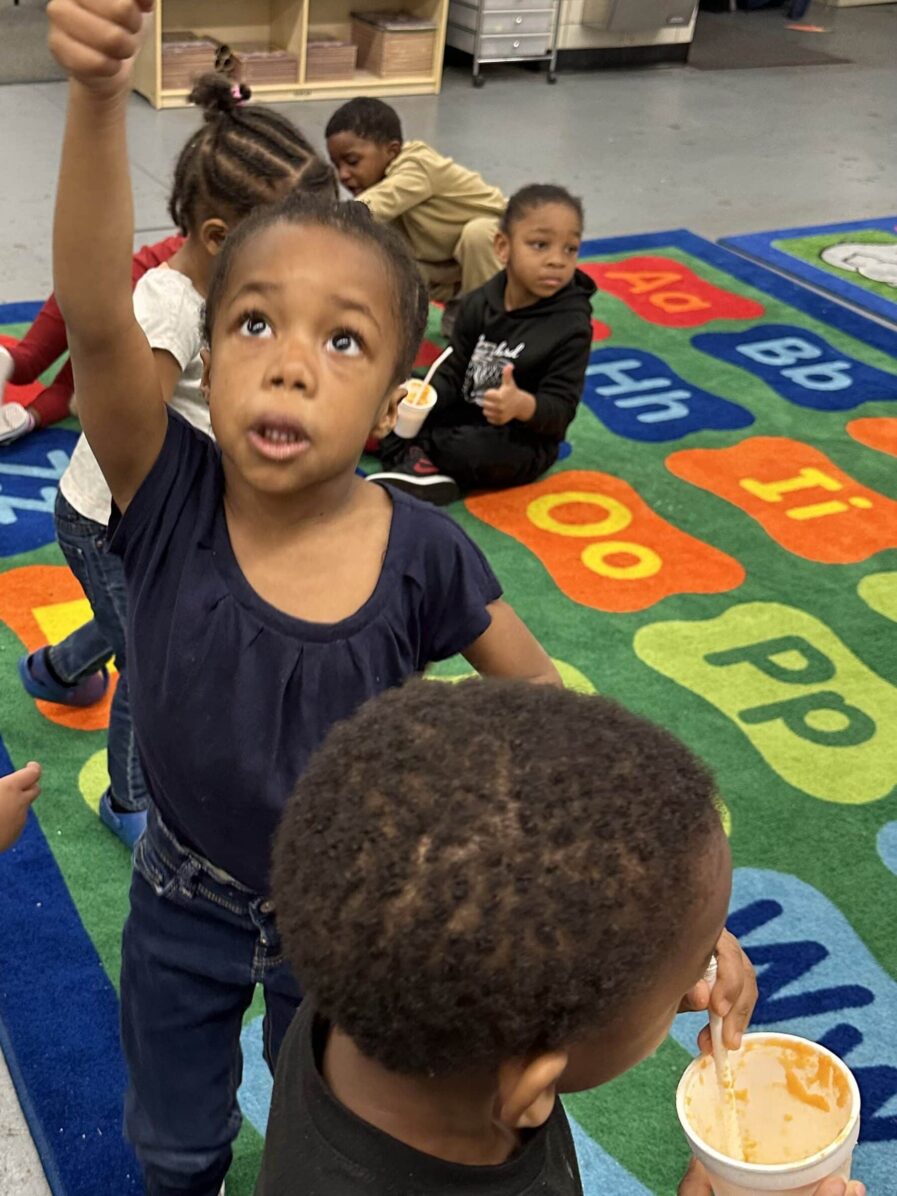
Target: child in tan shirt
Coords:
[[447, 213]]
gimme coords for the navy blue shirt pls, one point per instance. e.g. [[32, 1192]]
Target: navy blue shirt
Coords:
[[229, 695]]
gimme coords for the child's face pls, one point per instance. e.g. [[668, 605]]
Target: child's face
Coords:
[[303, 351], [359, 163], [644, 1021], [541, 250]]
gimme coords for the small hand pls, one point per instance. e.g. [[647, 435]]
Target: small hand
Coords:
[[508, 401], [696, 1182], [95, 41], [17, 791], [734, 994]]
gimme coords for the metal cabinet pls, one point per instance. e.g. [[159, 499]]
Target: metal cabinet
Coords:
[[505, 31]]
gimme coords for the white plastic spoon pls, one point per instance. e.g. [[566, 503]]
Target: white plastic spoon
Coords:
[[724, 1078], [434, 367]]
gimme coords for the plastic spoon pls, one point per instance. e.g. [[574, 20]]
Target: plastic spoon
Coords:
[[434, 367], [724, 1078]]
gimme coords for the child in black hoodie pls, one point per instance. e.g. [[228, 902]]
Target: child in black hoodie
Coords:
[[521, 345]]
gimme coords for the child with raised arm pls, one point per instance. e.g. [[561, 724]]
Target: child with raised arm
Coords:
[[241, 158], [270, 589], [507, 898]]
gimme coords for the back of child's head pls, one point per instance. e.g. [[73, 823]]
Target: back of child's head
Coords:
[[473, 873], [353, 220], [367, 118], [537, 195], [241, 156]]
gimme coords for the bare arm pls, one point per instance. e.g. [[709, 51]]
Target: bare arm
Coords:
[[509, 649], [116, 379]]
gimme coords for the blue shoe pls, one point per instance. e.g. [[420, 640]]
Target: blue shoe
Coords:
[[127, 827], [40, 683]]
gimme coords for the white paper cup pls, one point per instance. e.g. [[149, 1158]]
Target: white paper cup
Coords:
[[782, 1083], [414, 408]]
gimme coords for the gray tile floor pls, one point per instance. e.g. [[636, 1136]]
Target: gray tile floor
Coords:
[[719, 152]]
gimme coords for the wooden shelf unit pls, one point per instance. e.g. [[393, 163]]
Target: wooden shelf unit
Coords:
[[288, 24]]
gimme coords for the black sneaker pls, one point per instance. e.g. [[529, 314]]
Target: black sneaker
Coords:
[[416, 474]]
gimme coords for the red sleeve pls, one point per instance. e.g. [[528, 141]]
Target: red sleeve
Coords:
[[150, 256]]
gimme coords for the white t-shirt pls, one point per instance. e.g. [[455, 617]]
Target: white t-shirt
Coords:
[[169, 310]]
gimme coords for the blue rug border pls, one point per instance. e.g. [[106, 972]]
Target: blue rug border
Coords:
[[759, 247], [819, 307], [85, 1101], [100, 1030], [19, 313]]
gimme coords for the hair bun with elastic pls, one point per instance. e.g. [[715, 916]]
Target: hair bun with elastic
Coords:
[[217, 95]]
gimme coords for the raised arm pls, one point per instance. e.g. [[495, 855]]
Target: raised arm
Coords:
[[116, 380]]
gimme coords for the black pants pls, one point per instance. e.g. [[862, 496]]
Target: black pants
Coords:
[[479, 457]]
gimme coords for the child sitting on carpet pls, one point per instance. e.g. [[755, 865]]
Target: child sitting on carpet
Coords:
[[270, 589], [240, 159], [514, 380], [45, 342], [447, 213], [17, 791], [484, 912]]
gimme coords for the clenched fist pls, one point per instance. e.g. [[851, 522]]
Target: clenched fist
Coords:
[[95, 41]]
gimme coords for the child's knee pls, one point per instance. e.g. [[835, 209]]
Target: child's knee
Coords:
[[477, 236]]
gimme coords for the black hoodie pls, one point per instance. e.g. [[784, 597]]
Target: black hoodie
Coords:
[[548, 344]]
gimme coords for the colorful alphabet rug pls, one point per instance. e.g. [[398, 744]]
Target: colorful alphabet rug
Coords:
[[716, 548], [855, 261]]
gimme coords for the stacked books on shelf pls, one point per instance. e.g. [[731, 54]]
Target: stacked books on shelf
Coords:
[[262, 63], [184, 56], [394, 43]]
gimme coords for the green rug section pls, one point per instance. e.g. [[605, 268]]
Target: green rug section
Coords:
[[649, 658], [809, 249]]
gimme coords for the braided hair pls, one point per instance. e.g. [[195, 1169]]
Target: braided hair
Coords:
[[240, 157]]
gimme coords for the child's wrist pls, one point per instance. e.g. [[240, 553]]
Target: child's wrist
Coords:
[[526, 406], [100, 95]]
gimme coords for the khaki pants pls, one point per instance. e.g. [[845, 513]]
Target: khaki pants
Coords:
[[473, 262]]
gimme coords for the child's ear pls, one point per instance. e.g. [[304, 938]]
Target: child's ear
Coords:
[[212, 235], [502, 246], [393, 149], [386, 416], [527, 1089]]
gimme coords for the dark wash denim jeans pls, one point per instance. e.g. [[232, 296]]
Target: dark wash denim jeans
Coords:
[[102, 577], [195, 944]]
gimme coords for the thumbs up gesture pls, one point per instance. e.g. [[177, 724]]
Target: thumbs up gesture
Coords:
[[95, 41], [508, 401]]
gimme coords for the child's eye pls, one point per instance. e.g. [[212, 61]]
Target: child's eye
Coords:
[[537, 244], [255, 325], [347, 344]]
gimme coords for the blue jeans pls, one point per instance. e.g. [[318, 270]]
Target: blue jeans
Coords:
[[83, 544], [195, 945]]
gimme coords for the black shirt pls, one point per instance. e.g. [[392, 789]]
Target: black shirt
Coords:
[[548, 344], [316, 1147], [229, 695]]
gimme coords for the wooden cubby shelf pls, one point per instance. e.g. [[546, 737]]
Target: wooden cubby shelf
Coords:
[[287, 24]]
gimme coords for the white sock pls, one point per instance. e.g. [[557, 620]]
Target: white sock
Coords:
[[15, 421]]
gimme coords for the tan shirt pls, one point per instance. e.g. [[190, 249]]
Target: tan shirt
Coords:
[[431, 198]]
